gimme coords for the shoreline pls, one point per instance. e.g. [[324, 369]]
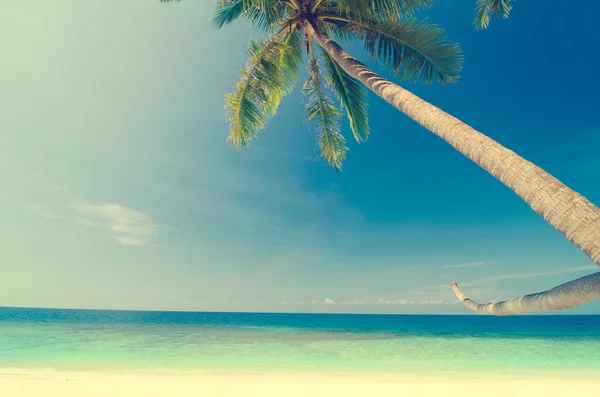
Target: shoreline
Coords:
[[433, 374], [42, 382]]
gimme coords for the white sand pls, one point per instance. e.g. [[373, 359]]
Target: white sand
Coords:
[[103, 384]]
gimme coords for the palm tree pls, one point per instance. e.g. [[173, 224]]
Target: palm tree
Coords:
[[573, 293], [414, 51], [488, 8]]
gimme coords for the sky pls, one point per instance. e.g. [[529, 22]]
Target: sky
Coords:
[[120, 191]]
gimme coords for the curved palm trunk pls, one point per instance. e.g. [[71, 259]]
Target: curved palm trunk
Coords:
[[566, 210], [573, 293]]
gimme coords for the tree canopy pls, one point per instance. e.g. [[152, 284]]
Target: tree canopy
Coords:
[[411, 49]]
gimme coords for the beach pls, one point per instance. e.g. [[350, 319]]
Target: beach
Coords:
[[38, 383], [78, 353], [282, 197]]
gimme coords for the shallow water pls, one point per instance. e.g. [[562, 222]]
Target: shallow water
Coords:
[[404, 344]]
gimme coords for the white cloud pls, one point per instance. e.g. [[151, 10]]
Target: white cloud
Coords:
[[351, 303], [129, 227], [41, 212], [382, 301], [295, 302], [131, 240], [432, 302], [513, 276], [329, 301], [529, 275], [470, 264]]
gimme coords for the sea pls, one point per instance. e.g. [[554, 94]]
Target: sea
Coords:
[[408, 345]]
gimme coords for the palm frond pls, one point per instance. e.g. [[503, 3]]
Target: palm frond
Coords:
[[270, 72], [488, 8], [261, 13], [412, 49], [325, 117], [352, 95], [290, 58], [367, 10]]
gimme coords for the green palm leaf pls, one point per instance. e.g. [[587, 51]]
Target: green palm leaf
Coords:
[[366, 10], [227, 12], [352, 95], [271, 72], [413, 49], [325, 117], [486, 8], [289, 60], [261, 13]]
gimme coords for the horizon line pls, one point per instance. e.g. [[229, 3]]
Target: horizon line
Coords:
[[287, 313]]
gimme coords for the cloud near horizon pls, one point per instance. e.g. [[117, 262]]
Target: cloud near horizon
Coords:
[[129, 227], [412, 302], [470, 264], [527, 275]]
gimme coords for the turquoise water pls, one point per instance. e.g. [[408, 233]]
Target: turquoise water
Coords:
[[407, 345]]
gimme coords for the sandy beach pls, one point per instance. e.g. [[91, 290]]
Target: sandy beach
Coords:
[[38, 383]]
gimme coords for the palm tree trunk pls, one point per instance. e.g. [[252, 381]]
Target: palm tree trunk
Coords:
[[573, 293], [566, 210]]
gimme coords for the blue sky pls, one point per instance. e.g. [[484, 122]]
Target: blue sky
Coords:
[[121, 193]]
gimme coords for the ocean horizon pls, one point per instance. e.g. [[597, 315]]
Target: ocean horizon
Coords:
[[407, 345]]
